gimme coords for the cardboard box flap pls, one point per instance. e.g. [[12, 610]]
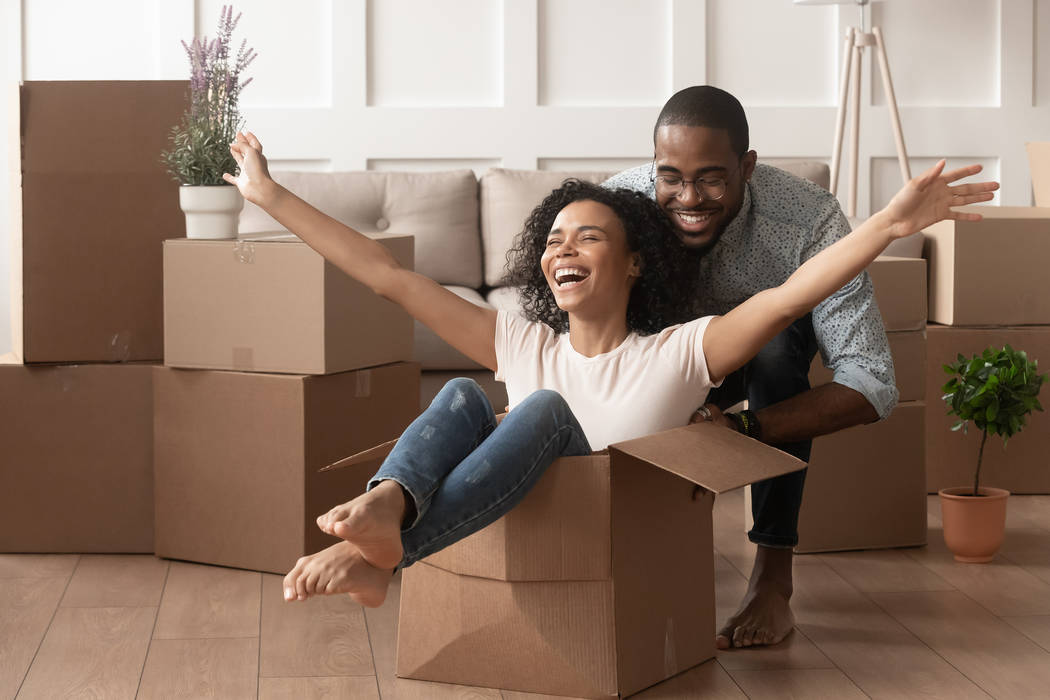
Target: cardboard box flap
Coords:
[[371, 454], [710, 456]]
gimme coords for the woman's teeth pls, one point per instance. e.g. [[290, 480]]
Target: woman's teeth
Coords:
[[568, 277]]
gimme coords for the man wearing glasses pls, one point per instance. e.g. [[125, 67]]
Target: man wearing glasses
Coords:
[[756, 225]]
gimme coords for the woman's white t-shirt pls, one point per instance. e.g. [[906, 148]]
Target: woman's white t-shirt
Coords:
[[648, 384]]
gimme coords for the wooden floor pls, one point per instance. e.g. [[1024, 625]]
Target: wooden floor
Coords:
[[890, 624]]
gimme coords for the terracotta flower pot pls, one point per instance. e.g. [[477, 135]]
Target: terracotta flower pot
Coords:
[[973, 525]]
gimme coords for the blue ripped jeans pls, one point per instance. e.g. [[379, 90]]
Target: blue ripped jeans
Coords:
[[462, 471]]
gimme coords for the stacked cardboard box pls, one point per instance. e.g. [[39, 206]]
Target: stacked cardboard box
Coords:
[[987, 288], [865, 487], [90, 206], [277, 363]]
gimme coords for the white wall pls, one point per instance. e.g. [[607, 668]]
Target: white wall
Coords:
[[563, 84]]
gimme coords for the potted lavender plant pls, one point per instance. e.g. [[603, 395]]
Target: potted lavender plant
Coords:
[[200, 145]]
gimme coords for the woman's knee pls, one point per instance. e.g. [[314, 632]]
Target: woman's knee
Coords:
[[546, 399], [461, 391]]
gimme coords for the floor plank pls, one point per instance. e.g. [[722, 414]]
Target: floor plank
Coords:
[[804, 684], [708, 680], [990, 652], [382, 631], [323, 636], [208, 601], [26, 608], [1035, 627], [1001, 586], [225, 669], [873, 649], [91, 652], [324, 688], [114, 581], [884, 571], [794, 652], [37, 565]]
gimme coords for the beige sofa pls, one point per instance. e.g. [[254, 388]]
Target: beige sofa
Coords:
[[463, 228]]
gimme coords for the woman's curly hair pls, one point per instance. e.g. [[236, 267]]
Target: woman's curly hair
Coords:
[[664, 295]]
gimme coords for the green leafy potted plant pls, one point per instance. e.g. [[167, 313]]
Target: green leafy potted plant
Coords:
[[996, 390], [200, 144]]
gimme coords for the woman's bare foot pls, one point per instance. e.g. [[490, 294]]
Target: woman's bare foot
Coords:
[[765, 615], [372, 523], [337, 569]]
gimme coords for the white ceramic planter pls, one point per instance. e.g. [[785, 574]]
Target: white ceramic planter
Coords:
[[212, 211]]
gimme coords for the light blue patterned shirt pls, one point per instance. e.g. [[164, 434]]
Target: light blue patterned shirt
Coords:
[[783, 221]]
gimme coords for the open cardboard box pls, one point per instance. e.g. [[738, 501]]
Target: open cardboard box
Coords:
[[598, 584]]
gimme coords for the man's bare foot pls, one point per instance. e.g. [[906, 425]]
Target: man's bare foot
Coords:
[[337, 569], [765, 615], [372, 523]]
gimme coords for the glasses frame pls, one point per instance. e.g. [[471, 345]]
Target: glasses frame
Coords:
[[697, 187]]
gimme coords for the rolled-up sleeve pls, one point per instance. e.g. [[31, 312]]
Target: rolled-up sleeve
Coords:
[[849, 328]]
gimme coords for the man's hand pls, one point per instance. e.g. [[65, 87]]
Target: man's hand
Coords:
[[711, 413]]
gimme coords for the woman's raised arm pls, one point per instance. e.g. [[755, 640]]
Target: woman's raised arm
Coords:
[[730, 341], [469, 328]]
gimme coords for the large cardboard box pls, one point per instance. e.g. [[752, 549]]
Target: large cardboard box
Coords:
[[900, 291], [951, 457], [90, 205], [866, 486], [990, 272], [1039, 166], [77, 457], [909, 364], [599, 583], [270, 303], [237, 456]]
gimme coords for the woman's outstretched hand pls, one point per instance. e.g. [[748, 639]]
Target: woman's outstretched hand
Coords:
[[253, 177], [929, 198]]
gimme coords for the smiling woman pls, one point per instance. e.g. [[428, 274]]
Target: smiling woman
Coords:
[[626, 227], [602, 275]]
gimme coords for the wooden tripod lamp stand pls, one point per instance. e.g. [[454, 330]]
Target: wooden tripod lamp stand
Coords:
[[857, 39]]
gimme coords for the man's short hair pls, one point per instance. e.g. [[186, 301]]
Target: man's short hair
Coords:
[[705, 105]]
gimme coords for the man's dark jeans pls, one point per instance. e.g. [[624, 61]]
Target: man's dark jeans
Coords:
[[778, 372]]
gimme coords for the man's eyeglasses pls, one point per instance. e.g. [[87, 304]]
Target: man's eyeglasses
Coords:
[[705, 187]]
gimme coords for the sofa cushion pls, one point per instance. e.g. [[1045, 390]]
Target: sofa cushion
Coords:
[[816, 171], [439, 208], [509, 196], [434, 353], [507, 199]]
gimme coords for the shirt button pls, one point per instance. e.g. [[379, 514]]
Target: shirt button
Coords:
[[382, 224]]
